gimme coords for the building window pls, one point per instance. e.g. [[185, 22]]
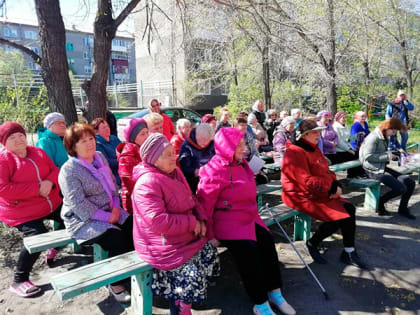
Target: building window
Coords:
[[119, 42], [70, 61], [88, 41], [31, 35], [6, 32], [88, 69], [69, 47], [13, 33], [35, 50], [85, 55]]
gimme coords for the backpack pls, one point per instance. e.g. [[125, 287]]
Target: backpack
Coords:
[[396, 110]]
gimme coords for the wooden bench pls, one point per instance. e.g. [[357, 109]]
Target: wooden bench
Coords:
[[263, 189], [344, 166], [281, 212], [272, 166], [105, 272], [372, 194], [58, 238]]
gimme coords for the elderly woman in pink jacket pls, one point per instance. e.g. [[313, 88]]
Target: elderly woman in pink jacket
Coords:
[[169, 228], [228, 191]]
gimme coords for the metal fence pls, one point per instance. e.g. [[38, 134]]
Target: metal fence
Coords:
[[125, 95]]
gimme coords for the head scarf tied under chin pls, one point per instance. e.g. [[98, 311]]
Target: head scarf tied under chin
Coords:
[[153, 147]]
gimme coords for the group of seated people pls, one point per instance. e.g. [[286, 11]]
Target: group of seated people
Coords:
[[185, 192]]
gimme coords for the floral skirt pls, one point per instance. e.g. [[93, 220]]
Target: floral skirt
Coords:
[[189, 281]]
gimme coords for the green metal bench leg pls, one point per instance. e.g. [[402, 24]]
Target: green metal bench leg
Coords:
[[260, 200], [141, 293], [55, 225], [372, 195], [99, 253], [302, 227]]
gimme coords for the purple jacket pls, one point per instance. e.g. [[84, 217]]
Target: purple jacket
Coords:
[[329, 138], [281, 135], [228, 192], [165, 214]]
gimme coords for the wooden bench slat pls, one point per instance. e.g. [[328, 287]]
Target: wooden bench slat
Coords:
[[363, 182], [41, 242], [344, 166], [273, 185], [98, 274]]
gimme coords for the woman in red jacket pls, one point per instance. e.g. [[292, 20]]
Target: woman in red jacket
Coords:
[[128, 157], [29, 193], [310, 187]]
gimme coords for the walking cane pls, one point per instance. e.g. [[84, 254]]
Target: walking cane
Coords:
[[297, 252]]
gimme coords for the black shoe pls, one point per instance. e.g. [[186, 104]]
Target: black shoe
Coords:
[[382, 211], [407, 214], [352, 259], [315, 254]]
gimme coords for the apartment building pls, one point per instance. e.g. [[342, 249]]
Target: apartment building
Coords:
[[181, 62], [79, 47]]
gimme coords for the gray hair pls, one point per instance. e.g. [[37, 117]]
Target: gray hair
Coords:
[[204, 131], [181, 123]]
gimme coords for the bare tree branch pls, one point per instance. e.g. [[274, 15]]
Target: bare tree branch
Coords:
[[22, 48], [125, 12]]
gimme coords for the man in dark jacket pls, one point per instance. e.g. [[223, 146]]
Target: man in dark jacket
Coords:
[[399, 109]]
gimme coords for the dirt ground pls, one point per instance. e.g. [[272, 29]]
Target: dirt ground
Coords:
[[390, 245]]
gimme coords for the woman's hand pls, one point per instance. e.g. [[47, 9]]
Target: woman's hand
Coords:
[[203, 229], [45, 188], [351, 151], [338, 193], [115, 215], [197, 228], [214, 242]]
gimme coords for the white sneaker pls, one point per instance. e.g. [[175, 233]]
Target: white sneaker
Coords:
[[284, 307], [257, 312]]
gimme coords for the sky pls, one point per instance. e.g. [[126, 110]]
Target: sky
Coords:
[[80, 13]]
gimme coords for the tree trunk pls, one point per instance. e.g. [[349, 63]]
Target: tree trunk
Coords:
[[331, 67], [367, 83], [266, 77], [54, 66], [95, 88]]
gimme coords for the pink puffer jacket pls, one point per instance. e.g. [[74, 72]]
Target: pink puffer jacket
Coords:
[[228, 191], [165, 215]]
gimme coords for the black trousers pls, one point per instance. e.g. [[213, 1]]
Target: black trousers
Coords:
[[347, 226], [341, 157], [257, 263], [116, 242], [26, 261], [401, 185]]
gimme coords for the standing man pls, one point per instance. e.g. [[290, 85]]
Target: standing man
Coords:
[[168, 126], [224, 118], [399, 109]]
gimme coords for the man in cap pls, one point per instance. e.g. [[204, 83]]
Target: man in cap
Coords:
[[399, 109]]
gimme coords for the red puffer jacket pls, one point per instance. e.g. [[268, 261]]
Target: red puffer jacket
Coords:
[[20, 179], [128, 157], [307, 183], [168, 126]]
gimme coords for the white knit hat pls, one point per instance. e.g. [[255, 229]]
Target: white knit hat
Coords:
[[52, 118], [400, 92], [287, 121]]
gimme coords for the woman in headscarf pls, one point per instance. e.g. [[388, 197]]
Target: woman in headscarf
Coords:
[[227, 190], [169, 228], [128, 157]]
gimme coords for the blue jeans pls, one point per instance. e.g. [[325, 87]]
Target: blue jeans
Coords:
[[393, 141]]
